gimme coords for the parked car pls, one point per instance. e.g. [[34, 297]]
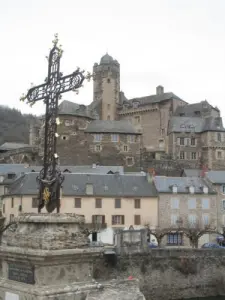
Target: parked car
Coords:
[[212, 246]]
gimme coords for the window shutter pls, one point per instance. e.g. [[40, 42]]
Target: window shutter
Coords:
[[103, 219], [123, 220]]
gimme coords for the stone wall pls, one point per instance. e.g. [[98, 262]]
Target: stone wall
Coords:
[[168, 273]]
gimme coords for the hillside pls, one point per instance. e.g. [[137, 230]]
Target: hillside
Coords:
[[14, 126]]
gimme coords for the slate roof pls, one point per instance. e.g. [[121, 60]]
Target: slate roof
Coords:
[[106, 59], [154, 99], [191, 172], [70, 108], [217, 177], [194, 124], [164, 184], [93, 170], [103, 185], [103, 126], [13, 146], [22, 168], [190, 109]]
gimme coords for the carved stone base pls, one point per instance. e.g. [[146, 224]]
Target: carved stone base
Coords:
[[47, 232], [46, 256]]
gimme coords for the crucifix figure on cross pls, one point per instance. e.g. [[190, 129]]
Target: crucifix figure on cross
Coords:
[[50, 178]]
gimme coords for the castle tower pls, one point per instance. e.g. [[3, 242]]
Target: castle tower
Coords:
[[107, 86]]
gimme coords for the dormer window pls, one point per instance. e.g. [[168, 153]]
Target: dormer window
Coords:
[[174, 188], [11, 175], [191, 189], [205, 190], [89, 189]]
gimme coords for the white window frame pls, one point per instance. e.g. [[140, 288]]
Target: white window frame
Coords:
[[223, 204], [131, 138], [174, 203], [98, 148], [204, 202], [97, 137], [115, 138], [194, 144], [192, 203], [174, 219], [205, 219], [217, 156], [223, 189], [182, 140], [127, 149], [195, 156], [192, 219], [183, 156]]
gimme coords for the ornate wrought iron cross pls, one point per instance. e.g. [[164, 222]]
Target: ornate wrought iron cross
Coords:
[[50, 178]]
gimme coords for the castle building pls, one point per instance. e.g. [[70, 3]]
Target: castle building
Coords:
[[196, 135], [138, 132]]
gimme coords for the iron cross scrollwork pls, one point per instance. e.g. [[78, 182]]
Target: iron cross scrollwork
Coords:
[[50, 178]]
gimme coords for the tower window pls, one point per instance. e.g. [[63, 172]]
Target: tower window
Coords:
[[137, 120], [108, 80], [219, 137], [125, 148], [108, 106], [108, 117]]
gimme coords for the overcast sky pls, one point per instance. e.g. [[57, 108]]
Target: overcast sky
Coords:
[[179, 44]]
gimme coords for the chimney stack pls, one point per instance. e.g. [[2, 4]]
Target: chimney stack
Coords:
[[159, 90]]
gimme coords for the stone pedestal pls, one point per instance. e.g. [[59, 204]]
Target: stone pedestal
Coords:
[[47, 256]]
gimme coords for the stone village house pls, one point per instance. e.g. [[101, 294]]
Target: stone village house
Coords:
[[106, 200], [121, 200], [185, 201], [11, 172], [216, 180]]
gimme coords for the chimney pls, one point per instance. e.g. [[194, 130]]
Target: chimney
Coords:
[[150, 175], [159, 90]]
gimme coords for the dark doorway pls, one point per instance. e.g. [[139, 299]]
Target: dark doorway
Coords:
[[94, 236]]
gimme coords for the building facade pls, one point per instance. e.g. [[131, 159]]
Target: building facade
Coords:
[[217, 180], [188, 202], [113, 201], [196, 136]]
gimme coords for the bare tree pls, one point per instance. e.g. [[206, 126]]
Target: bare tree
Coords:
[[193, 231], [4, 226], [159, 233]]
